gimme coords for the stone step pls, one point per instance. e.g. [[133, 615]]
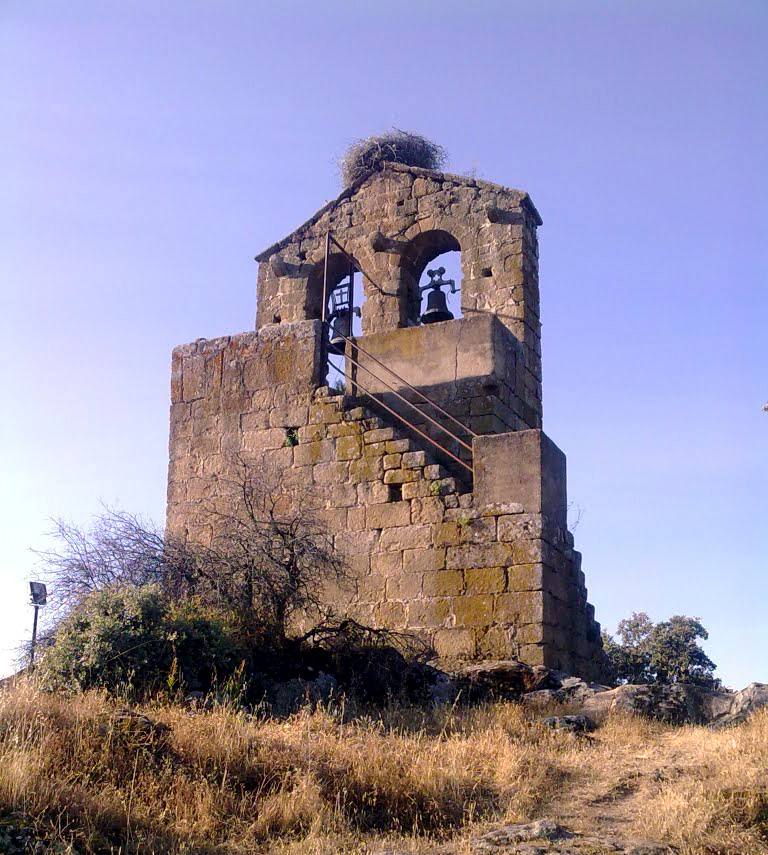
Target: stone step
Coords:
[[417, 458]]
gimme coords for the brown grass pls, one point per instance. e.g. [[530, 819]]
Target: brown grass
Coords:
[[220, 781]]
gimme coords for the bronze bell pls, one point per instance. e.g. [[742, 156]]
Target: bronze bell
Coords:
[[437, 303], [437, 308], [340, 318], [340, 326]]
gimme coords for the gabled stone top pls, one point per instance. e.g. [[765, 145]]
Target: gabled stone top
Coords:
[[520, 196]]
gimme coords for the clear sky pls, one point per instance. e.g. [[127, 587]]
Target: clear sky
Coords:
[[150, 149]]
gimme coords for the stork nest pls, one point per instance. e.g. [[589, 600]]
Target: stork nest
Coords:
[[396, 146]]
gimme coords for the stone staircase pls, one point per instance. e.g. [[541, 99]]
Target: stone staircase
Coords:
[[421, 453], [411, 466]]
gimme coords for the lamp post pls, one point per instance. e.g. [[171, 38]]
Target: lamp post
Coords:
[[38, 597]]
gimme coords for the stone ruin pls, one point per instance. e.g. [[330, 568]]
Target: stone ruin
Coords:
[[430, 468]]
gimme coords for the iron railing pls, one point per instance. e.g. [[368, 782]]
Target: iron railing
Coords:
[[356, 384]]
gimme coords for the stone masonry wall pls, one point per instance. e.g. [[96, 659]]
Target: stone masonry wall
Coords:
[[393, 223], [476, 580]]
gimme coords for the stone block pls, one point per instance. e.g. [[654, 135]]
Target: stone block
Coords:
[[398, 446], [307, 433], [477, 555], [386, 563], [435, 472], [404, 586], [521, 526], [428, 509], [372, 493], [481, 530], [443, 583], [374, 449], [261, 440], [344, 495], [391, 614], [429, 612], [524, 467], [485, 580], [355, 516], [348, 447], [365, 469], [342, 429], [474, 610], [415, 490], [497, 642], [526, 577], [389, 515], [455, 643], [414, 459], [392, 461], [400, 476], [525, 607], [379, 435], [535, 654], [310, 453], [425, 560], [330, 473], [447, 534], [405, 537]]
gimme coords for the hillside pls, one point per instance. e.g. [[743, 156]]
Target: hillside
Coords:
[[84, 774]]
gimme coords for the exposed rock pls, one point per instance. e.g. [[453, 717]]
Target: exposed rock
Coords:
[[505, 679], [132, 727], [542, 837], [725, 708], [679, 703], [500, 839], [290, 696], [569, 723]]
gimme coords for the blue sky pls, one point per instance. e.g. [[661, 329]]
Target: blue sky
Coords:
[[150, 149]]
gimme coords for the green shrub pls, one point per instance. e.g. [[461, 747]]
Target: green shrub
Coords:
[[133, 641], [665, 652]]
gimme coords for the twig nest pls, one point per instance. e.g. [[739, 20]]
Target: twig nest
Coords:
[[395, 146]]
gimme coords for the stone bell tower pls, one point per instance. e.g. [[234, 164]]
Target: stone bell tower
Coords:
[[429, 468]]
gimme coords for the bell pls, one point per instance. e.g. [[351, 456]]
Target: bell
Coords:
[[340, 326], [437, 308]]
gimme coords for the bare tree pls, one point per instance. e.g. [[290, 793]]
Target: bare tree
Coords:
[[269, 558], [268, 561]]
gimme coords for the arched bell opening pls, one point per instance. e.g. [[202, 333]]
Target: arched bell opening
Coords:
[[430, 283], [343, 309]]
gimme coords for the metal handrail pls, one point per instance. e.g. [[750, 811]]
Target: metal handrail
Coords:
[[401, 397], [405, 400], [331, 239], [411, 426]]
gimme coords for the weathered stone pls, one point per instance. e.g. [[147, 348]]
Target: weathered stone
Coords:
[[477, 555], [348, 447], [400, 476], [485, 580], [425, 560], [443, 583], [388, 515], [414, 459], [404, 537], [473, 610]]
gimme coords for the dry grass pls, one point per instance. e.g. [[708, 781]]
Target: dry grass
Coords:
[[219, 781]]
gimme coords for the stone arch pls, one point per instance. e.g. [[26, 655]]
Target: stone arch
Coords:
[[338, 269], [419, 252]]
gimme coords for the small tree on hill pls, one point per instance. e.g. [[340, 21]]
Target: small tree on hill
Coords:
[[666, 652]]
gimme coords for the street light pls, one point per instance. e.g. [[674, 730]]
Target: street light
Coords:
[[38, 595]]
